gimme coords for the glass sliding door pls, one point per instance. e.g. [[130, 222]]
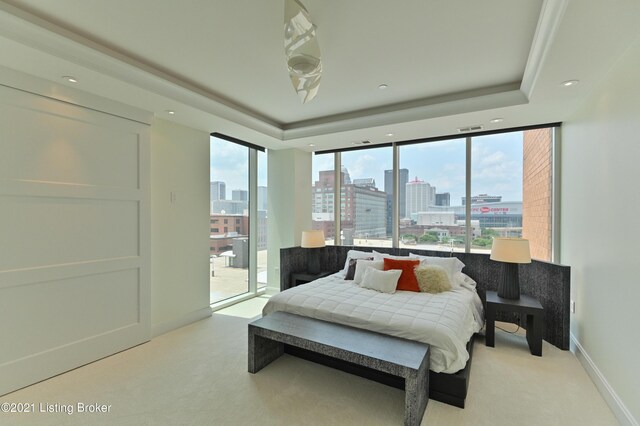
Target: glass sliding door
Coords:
[[230, 218], [262, 218]]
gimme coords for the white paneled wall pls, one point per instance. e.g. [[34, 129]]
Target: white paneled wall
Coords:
[[74, 236]]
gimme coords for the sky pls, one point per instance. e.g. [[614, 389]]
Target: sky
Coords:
[[496, 165], [230, 164]]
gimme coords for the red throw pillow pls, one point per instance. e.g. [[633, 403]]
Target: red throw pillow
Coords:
[[408, 280]]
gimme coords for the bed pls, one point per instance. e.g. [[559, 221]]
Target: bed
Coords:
[[548, 282], [446, 321]]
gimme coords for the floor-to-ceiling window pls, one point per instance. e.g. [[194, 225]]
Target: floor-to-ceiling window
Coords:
[[323, 196], [453, 193], [432, 179], [512, 189], [364, 202], [496, 188], [238, 209], [263, 218]]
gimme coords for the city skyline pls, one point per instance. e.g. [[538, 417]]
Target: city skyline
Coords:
[[496, 163]]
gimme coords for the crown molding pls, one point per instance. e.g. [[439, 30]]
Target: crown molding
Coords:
[[32, 31], [441, 106], [35, 32], [549, 21]]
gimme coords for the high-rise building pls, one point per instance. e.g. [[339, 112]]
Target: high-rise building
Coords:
[[322, 202], [346, 179], [365, 209], [240, 195], [420, 195], [218, 190], [365, 182], [262, 198], [363, 212], [229, 207], [443, 199], [403, 178]]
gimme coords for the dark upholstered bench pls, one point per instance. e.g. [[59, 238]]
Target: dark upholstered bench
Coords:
[[389, 355]]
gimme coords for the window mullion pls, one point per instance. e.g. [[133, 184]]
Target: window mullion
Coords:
[[337, 199], [253, 221], [395, 203], [467, 209]]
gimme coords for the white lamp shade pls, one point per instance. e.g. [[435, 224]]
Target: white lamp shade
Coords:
[[511, 250], [312, 239]]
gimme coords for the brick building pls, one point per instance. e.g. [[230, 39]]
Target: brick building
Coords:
[[537, 171], [363, 207]]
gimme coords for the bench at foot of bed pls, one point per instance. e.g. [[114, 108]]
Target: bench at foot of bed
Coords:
[[391, 356]]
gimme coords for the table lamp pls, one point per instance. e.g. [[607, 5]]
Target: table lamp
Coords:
[[311, 240], [510, 251]]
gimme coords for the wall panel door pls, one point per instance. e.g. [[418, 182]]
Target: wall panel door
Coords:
[[74, 236]]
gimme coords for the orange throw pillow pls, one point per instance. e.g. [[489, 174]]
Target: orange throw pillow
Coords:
[[408, 280]]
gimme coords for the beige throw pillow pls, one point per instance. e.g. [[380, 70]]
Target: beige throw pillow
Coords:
[[432, 279]]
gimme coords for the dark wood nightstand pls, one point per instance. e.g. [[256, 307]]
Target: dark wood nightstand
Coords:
[[298, 278], [527, 305]]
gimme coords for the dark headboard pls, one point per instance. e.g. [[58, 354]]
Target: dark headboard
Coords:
[[548, 282]]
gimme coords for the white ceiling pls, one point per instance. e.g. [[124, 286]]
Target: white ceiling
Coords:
[[220, 64]]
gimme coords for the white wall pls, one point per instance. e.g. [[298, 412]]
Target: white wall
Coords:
[[74, 234], [600, 235], [180, 229], [94, 257], [289, 205]]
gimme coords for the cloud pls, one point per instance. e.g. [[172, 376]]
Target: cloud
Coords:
[[229, 164], [320, 163], [495, 172], [361, 168]]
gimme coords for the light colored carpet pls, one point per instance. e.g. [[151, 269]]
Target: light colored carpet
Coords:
[[197, 375]]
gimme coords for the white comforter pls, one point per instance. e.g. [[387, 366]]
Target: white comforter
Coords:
[[446, 321]]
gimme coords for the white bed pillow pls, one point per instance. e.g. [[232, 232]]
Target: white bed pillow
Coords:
[[464, 280], [452, 265], [382, 281], [382, 256], [354, 254], [362, 265]]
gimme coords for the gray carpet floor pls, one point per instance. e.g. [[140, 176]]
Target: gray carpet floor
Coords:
[[197, 375]]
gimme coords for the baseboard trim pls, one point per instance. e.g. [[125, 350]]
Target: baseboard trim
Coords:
[[191, 317], [610, 396]]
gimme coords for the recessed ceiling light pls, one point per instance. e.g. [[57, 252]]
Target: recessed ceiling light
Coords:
[[383, 86], [496, 120], [312, 144], [70, 78], [389, 134], [170, 112], [570, 83]]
